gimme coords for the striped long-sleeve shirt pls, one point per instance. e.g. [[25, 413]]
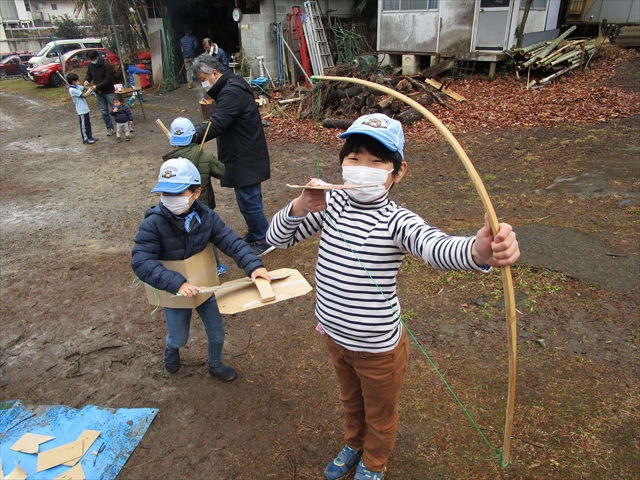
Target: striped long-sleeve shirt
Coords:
[[360, 242]]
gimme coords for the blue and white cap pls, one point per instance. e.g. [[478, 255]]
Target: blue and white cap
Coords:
[[182, 131], [384, 129], [176, 175]]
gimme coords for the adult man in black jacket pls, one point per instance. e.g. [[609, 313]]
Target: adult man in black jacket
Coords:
[[242, 145], [103, 77]]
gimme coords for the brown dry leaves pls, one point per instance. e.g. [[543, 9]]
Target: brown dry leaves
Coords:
[[576, 98]]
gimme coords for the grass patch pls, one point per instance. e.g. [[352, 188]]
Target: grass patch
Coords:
[[50, 96]]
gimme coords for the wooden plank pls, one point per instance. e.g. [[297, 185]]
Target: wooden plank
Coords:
[[266, 290], [438, 85]]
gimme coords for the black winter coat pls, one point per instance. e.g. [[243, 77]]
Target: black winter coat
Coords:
[[160, 238], [236, 123], [123, 115], [102, 75]]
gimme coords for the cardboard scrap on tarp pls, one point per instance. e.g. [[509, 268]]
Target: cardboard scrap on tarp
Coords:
[[120, 429], [30, 443]]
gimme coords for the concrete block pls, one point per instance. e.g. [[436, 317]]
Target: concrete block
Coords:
[[410, 64]]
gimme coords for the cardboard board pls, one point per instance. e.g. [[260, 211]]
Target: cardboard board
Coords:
[[136, 81], [200, 269], [68, 454], [17, 473], [74, 473], [30, 443], [248, 296]]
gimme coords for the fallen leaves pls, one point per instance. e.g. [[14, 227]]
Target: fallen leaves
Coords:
[[578, 98]]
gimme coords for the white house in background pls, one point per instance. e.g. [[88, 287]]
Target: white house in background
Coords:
[[31, 16], [472, 29]]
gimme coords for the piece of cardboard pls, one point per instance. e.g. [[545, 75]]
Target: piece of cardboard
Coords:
[[136, 81], [86, 439], [30, 443], [74, 473], [17, 473], [69, 453], [266, 290], [248, 297], [199, 269]]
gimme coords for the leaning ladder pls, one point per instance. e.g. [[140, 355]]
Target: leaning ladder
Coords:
[[319, 51]]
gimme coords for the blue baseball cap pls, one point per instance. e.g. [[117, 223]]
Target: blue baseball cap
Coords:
[[176, 175], [384, 129], [182, 131]]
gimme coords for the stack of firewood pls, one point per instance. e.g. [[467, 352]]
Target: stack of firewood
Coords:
[[548, 60], [348, 100]]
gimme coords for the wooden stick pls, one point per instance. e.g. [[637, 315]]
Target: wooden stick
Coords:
[[163, 128], [507, 281], [204, 139]]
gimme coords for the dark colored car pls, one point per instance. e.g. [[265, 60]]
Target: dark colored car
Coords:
[[50, 74], [14, 65]]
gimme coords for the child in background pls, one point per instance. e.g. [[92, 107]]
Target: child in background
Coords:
[[176, 229], [364, 238], [78, 95], [132, 70], [123, 117], [182, 131]]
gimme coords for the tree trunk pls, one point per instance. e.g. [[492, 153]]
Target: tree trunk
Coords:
[[520, 29]]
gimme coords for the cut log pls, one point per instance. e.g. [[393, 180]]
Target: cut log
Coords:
[[385, 102], [359, 101], [350, 92], [409, 116], [440, 101], [438, 68], [423, 99], [388, 112], [404, 86], [336, 123], [396, 106], [372, 100]]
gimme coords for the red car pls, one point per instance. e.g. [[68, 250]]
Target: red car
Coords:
[[14, 65], [51, 73]]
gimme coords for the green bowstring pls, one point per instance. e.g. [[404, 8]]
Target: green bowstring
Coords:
[[497, 452]]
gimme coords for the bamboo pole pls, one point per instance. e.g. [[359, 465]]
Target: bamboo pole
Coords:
[[558, 73], [535, 46], [548, 49], [507, 281]]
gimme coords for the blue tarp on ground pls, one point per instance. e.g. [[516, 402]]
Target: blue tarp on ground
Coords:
[[121, 431]]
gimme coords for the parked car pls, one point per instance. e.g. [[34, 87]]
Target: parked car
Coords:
[[49, 53], [14, 65], [51, 73]]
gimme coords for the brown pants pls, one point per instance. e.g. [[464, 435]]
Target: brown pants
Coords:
[[369, 390]]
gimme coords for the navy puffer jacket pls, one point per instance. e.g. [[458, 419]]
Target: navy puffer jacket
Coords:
[[160, 238]]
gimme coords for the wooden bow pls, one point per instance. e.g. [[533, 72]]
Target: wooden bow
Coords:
[[507, 282]]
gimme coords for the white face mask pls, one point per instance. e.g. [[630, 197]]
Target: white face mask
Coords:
[[365, 176], [206, 85], [176, 204]]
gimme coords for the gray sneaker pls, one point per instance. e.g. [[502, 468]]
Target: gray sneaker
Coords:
[[110, 131]]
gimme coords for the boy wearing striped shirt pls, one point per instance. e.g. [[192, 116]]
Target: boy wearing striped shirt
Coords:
[[364, 238]]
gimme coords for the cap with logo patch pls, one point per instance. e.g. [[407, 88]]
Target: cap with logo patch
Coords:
[[384, 129], [182, 131], [176, 175]]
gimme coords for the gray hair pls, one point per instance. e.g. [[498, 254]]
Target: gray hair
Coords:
[[206, 64]]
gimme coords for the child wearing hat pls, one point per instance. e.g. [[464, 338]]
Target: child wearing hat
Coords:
[[177, 228], [182, 131], [364, 238]]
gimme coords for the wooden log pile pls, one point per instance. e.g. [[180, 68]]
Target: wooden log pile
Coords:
[[348, 100], [548, 60]]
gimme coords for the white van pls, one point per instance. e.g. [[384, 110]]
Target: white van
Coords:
[[49, 53]]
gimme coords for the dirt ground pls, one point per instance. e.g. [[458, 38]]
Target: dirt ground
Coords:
[[76, 331]]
